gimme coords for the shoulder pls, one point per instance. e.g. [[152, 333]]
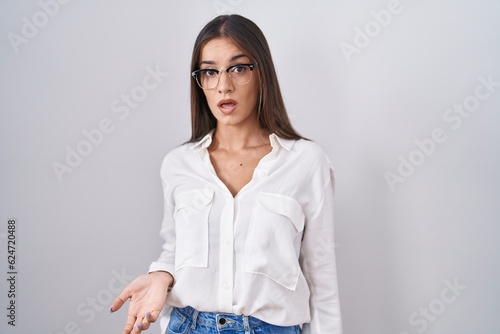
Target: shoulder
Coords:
[[307, 161], [178, 157], [309, 146], [315, 161], [311, 152], [174, 153]]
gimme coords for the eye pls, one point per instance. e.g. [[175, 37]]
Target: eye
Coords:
[[239, 69], [210, 73]]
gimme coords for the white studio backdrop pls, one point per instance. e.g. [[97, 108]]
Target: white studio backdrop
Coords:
[[404, 96]]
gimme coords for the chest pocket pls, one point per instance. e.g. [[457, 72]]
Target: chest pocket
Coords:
[[192, 210], [273, 241]]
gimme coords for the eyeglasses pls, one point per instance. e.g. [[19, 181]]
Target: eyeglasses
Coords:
[[209, 78]]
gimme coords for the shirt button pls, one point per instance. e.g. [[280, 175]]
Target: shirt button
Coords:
[[262, 173], [225, 286], [226, 241]]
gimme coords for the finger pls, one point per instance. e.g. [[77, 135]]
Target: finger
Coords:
[[129, 325], [152, 316], [138, 328], [117, 304], [128, 329], [140, 324], [144, 324], [121, 299], [149, 318]]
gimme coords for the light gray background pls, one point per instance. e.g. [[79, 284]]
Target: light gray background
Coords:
[[81, 238]]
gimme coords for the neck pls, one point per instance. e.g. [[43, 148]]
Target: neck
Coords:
[[235, 138]]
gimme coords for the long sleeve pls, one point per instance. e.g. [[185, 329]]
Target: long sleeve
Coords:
[[319, 266], [166, 261]]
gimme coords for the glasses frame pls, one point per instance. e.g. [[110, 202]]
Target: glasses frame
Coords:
[[195, 74]]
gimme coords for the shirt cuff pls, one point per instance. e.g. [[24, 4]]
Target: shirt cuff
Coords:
[[162, 266]]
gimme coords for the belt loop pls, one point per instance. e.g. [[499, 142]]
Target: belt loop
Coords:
[[246, 324], [194, 318]]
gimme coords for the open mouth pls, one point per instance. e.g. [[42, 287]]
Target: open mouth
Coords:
[[227, 106]]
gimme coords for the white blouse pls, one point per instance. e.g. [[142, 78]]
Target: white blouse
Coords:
[[268, 252]]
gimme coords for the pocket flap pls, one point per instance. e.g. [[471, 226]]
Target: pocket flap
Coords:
[[285, 206], [198, 198]]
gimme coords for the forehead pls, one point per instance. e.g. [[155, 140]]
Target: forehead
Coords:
[[220, 50]]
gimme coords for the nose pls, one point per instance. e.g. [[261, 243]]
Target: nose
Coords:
[[225, 84]]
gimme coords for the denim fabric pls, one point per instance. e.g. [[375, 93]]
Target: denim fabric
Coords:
[[189, 321]]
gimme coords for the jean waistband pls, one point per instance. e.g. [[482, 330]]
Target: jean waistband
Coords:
[[218, 320]]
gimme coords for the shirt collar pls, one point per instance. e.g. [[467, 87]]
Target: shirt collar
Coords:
[[285, 143], [273, 138], [204, 142]]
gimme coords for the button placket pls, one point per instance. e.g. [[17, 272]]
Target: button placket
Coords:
[[226, 256]]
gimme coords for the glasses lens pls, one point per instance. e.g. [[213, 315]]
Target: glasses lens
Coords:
[[240, 74], [207, 79]]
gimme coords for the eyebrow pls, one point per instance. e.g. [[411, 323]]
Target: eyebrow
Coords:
[[211, 62]]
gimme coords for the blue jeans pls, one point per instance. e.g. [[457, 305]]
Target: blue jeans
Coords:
[[189, 321]]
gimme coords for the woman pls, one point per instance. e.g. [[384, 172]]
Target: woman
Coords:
[[248, 221]]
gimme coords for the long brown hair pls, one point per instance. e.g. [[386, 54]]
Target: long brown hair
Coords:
[[245, 34]]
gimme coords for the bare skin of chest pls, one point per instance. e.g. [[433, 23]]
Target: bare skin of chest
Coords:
[[235, 169]]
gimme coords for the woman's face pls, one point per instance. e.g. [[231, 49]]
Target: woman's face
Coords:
[[232, 105]]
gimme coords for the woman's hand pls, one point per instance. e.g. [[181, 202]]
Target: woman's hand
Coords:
[[147, 295]]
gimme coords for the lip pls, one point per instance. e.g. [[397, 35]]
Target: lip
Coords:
[[227, 106]]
